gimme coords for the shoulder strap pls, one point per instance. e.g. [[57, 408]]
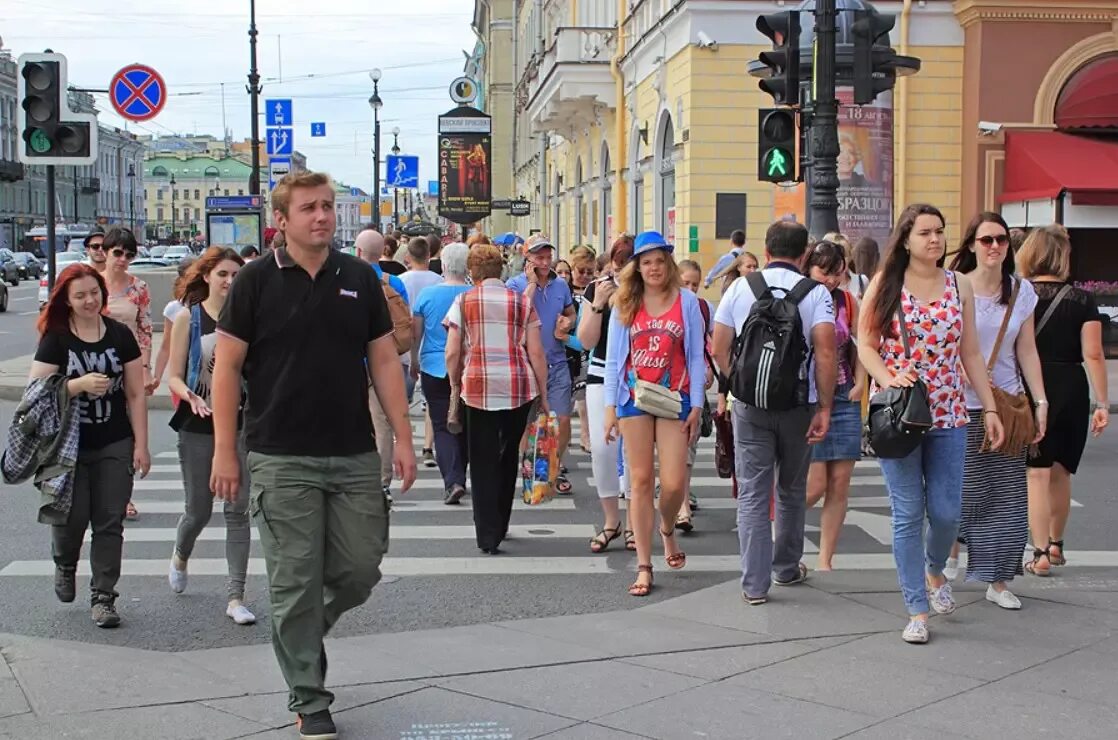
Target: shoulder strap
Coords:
[[903, 330], [757, 284], [704, 309], [1052, 308], [801, 290], [1005, 325]]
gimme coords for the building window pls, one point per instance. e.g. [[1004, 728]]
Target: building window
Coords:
[[197, 194], [159, 213], [665, 166], [241, 191], [197, 214], [159, 194], [638, 205], [186, 214], [159, 171], [227, 191]]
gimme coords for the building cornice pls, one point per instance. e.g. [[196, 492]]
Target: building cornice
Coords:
[[969, 12]]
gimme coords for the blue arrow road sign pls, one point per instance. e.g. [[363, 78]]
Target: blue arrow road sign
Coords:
[[281, 141], [278, 112], [402, 171], [318, 129], [433, 187]]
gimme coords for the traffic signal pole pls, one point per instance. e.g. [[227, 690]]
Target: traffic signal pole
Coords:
[[824, 182], [51, 214]]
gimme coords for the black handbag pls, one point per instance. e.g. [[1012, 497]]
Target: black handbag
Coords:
[[898, 417]]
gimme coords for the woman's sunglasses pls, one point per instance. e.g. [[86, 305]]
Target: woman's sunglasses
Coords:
[[988, 241], [118, 253]]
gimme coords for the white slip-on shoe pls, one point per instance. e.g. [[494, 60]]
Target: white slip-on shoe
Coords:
[[176, 577], [240, 614], [1004, 599], [915, 632], [951, 570]]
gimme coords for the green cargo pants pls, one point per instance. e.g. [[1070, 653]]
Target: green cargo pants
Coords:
[[323, 524]]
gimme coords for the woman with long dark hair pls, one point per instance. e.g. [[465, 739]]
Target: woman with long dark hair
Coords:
[[832, 460], [193, 339], [656, 341], [995, 521], [105, 369], [937, 307]]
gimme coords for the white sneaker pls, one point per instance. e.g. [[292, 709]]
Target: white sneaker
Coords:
[[951, 570], [915, 632], [1004, 599], [240, 614], [176, 577], [941, 599]]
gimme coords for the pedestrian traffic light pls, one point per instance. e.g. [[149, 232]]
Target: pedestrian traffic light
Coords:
[[783, 29], [776, 140], [51, 133], [874, 71]]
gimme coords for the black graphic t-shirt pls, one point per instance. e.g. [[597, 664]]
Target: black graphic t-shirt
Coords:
[[104, 420]]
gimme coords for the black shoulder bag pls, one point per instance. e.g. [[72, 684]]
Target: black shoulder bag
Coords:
[[898, 417]]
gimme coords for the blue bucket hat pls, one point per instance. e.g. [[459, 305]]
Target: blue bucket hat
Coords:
[[646, 241]]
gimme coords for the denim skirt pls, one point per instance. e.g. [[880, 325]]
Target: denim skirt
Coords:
[[844, 437]]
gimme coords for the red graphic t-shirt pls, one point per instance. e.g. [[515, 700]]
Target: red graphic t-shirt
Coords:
[[656, 348]]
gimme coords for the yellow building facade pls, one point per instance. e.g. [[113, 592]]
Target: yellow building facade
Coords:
[[640, 114]]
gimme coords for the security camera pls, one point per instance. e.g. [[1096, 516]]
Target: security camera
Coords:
[[986, 128], [706, 42]]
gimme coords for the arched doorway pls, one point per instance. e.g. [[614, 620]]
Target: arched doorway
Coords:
[[606, 207], [665, 170]]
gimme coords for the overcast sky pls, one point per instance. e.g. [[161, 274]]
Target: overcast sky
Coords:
[[196, 46]]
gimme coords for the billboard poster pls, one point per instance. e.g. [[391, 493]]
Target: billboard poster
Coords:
[[465, 163], [865, 170]]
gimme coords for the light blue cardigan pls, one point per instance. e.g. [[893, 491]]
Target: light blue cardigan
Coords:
[[694, 345]]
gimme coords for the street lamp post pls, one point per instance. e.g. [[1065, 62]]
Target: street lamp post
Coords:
[[396, 190], [254, 89], [173, 209], [132, 197], [376, 103]]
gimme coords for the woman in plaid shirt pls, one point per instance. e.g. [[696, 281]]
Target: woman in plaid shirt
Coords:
[[495, 359]]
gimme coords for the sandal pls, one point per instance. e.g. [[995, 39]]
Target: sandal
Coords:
[[642, 589], [600, 542], [630, 540], [1053, 558], [677, 561], [563, 485], [683, 522], [130, 512], [1031, 567]]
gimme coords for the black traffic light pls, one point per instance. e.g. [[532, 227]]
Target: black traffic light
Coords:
[[874, 71], [776, 145], [50, 133], [783, 29]]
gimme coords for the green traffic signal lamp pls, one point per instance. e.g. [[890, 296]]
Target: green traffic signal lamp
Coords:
[[51, 133], [776, 145], [777, 163]]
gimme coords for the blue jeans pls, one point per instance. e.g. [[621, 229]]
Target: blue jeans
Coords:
[[927, 483]]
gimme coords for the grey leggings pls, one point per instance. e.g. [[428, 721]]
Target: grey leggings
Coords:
[[196, 453]]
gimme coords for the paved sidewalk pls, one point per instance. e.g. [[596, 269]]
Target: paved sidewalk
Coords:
[[821, 660]]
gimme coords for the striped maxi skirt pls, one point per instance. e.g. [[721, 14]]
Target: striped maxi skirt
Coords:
[[995, 516]]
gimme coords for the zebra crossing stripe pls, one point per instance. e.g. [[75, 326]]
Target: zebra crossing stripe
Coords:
[[396, 532], [399, 506]]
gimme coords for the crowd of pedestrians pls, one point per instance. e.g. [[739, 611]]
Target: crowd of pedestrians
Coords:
[[804, 331]]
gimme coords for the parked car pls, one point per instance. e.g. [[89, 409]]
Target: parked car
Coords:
[[176, 253], [9, 268], [29, 265], [62, 260], [150, 262], [157, 251]]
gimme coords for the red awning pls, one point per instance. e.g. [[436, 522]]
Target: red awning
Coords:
[[1090, 98], [1039, 165]]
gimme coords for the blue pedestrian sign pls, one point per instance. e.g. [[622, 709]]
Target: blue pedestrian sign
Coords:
[[278, 168], [402, 171], [281, 141], [433, 188], [278, 112], [318, 129]]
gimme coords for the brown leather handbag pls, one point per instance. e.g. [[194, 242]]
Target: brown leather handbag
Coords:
[[1015, 410]]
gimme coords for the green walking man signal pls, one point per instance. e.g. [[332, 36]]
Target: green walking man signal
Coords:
[[776, 145], [778, 162]]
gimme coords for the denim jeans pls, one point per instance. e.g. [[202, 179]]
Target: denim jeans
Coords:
[[928, 483]]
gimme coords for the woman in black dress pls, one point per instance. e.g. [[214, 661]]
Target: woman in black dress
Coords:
[[1068, 336]]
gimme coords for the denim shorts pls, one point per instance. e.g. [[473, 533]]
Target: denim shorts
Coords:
[[559, 388], [629, 409]]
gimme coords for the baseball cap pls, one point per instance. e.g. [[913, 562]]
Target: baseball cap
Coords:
[[538, 242], [95, 231], [647, 241]]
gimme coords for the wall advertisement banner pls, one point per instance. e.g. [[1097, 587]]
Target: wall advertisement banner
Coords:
[[465, 161]]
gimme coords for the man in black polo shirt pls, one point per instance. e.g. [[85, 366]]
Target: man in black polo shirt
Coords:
[[300, 324]]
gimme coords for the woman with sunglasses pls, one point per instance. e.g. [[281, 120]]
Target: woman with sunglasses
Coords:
[[102, 361], [129, 301], [995, 521], [193, 339], [832, 460], [938, 342]]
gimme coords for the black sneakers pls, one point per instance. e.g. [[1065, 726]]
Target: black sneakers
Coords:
[[104, 615], [64, 584], [316, 726]]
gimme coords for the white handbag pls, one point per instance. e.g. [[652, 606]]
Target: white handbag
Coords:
[[656, 400]]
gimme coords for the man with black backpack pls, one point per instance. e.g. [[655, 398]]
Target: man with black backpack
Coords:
[[773, 332]]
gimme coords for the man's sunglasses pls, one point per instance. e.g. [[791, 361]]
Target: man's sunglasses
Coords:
[[988, 241], [96, 245]]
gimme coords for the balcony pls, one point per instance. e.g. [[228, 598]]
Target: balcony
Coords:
[[573, 79], [10, 171], [89, 184]]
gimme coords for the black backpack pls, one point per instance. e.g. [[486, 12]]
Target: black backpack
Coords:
[[768, 359]]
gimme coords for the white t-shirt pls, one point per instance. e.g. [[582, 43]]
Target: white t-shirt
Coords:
[[172, 310], [416, 280], [988, 315], [817, 308]]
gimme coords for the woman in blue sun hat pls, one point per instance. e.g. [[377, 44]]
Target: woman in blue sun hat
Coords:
[[654, 387]]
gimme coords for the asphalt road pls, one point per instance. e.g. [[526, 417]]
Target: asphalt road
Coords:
[[545, 571], [17, 324]]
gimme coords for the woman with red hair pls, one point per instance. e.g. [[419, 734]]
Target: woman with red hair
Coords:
[[102, 360]]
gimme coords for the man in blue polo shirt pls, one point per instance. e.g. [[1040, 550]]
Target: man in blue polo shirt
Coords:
[[555, 308]]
